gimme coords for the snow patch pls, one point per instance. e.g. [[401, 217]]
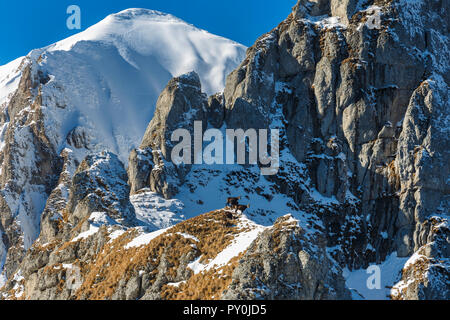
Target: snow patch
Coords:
[[356, 280], [152, 209], [96, 220], [239, 244], [144, 239]]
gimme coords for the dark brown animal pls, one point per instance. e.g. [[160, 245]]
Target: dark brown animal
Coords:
[[229, 215], [233, 201], [241, 207]]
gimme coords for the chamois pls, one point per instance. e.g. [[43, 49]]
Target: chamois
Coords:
[[241, 207], [231, 202]]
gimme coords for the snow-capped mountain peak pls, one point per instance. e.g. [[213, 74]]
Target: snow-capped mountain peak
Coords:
[[109, 76], [138, 33], [93, 91]]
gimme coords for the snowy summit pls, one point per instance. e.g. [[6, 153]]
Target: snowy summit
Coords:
[[110, 75]]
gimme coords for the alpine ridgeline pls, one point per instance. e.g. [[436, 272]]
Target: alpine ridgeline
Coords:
[[359, 93], [91, 92]]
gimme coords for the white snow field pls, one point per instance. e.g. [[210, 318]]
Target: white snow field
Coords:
[[390, 274]]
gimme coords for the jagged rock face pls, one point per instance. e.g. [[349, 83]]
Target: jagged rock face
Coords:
[[282, 264], [364, 109], [140, 165], [97, 185], [53, 214], [363, 119], [100, 185], [179, 105], [354, 90], [421, 165], [88, 93], [354, 118], [29, 170], [343, 9], [426, 274]]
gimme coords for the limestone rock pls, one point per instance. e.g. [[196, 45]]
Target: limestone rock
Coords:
[[100, 185], [362, 113], [180, 104], [283, 264]]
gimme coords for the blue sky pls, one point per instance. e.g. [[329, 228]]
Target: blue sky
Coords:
[[30, 24]]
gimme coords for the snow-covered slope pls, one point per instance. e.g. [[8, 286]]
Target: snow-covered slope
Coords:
[[149, 41], [9, 79], [106, 79]]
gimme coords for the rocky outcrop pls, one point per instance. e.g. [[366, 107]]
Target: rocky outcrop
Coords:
[[180, 263], [344, 9], [100, 185], [424, 188], [348, 112], [140, 166], [180, 104], [426, 275], [283, 264], [82, 212], [63, 96], [30, 167], [359, 93]]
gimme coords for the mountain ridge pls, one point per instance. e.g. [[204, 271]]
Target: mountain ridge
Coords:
[[363, 178], [90, 95]]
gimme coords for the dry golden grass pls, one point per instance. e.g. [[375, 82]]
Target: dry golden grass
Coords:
[[47, 247], [206, 285], [282, 225], [214, 230], [419, 270], [102, 274]]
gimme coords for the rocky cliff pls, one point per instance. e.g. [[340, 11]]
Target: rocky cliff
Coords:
[[359, 93], [91, 92]]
